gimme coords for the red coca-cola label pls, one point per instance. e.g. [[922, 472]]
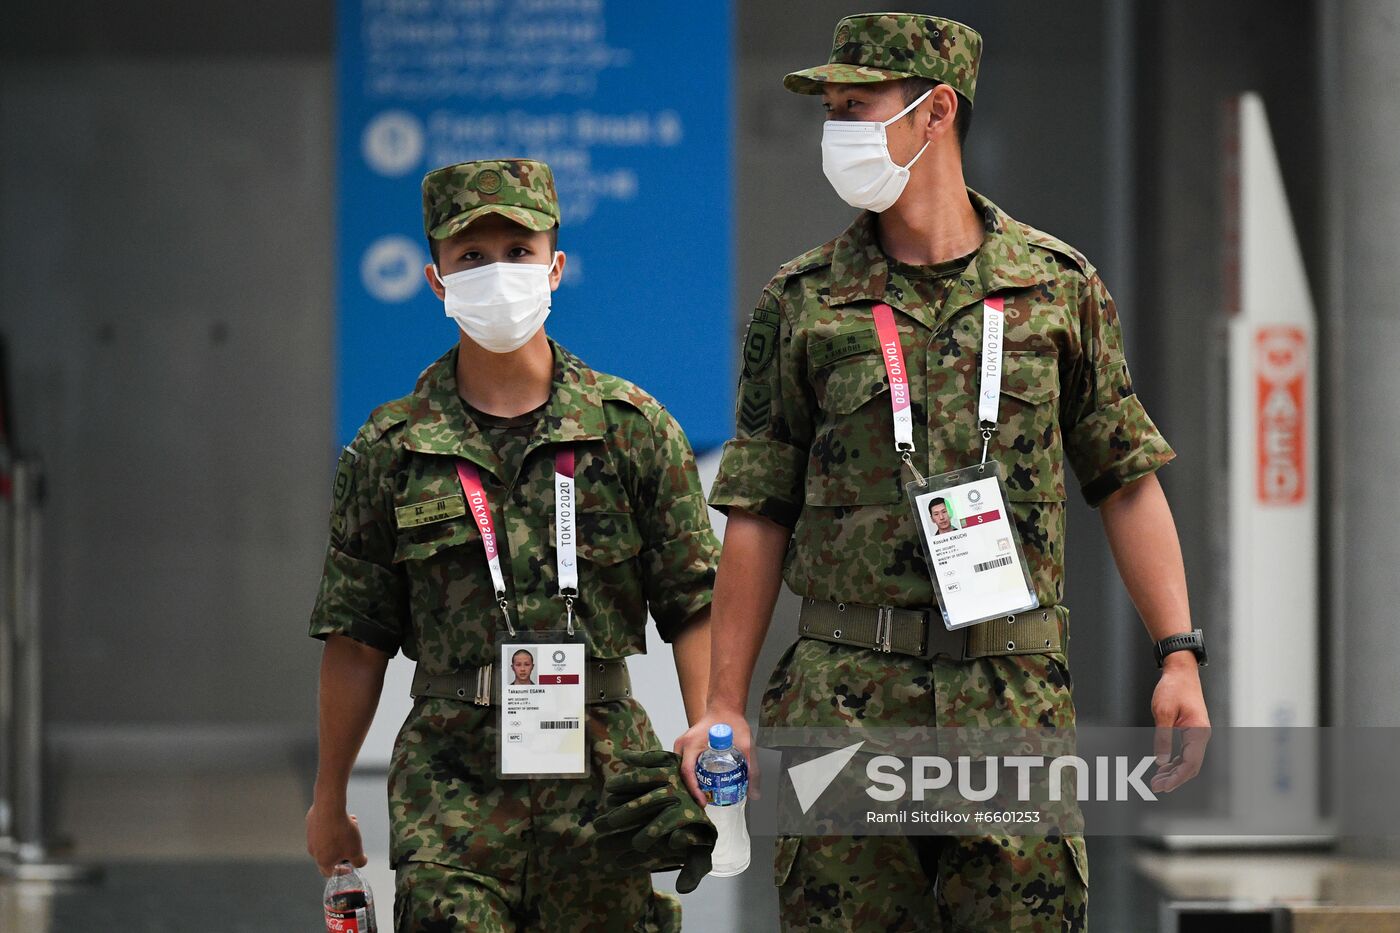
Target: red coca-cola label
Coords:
[[346, 921]]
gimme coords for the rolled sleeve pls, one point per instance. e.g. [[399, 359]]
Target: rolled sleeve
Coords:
[[764, 477], [764, 468], [680, 550], [1109, 439], [361, 600], [363, 595]]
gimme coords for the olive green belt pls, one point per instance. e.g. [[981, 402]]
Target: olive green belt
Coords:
[[606, 681], [921, 633]]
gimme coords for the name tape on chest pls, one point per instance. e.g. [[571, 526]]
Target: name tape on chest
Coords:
[[440, 509]]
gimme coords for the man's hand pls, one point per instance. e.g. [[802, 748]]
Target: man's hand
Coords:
[[697, 738], [332, 837], [1178, 703]]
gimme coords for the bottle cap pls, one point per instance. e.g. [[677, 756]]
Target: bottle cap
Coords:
[[721, 736]]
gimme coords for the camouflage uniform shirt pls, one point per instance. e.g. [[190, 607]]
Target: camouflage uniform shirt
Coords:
[[395, 583], [814, 449]]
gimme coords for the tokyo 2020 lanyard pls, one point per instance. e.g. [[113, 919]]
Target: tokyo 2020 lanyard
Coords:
[[972, 548], [565, 536], [989, 390], [565, 530]]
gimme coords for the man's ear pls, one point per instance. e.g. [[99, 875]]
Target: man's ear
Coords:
[[943, 111], [556, 275], [430, 273]]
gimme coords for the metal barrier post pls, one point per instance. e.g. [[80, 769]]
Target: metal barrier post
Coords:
[[31, 860], [7, 663]]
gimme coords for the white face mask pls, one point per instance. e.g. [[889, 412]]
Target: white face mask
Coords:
[[856, 160], [501, 305]]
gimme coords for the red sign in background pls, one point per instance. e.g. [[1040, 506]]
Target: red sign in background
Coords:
[[1281, 369]]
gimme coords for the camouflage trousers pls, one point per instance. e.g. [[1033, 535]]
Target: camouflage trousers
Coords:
[[477, 852], [1029, 883], [434, 898]]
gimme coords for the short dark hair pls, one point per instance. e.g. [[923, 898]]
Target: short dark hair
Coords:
[[962, 121], [553, 243]]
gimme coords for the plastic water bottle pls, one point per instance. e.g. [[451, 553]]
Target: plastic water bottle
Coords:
[[349, 902], [724, 777]]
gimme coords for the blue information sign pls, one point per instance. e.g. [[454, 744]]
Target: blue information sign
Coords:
[[628, 101]]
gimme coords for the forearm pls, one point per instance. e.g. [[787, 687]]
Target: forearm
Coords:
[[691, 650], [746, 589], [352, 676], [1143, 539]]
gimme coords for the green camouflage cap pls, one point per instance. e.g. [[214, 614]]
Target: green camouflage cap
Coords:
[[871, 47], [519, 189]]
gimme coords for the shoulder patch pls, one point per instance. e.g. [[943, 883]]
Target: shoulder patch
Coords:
[[755, 401], [761, 340], [1055, 245]]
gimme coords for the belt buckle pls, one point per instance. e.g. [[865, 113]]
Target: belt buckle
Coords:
[[938, 638], [485, 680], [884, 628]]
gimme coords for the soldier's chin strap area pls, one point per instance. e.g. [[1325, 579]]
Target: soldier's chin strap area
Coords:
[[565, 532], [988, 390]]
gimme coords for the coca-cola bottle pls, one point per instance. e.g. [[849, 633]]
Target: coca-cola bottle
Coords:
[[349, 902]]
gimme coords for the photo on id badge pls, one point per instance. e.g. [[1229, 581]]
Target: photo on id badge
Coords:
[[973, 550], [542, 708]]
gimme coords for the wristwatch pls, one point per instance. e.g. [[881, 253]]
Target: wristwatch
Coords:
[[1190, 641]]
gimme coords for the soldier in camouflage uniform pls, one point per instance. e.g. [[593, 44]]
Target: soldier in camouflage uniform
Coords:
[[405, 570], [813, 488]]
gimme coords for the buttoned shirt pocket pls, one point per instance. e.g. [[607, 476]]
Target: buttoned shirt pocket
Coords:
[[613, 607], [1028, 440], [452, 603], [852, 459], [606, 539], [427, 543]]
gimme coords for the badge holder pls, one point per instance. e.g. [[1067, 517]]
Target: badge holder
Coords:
[[543, 682], [973, 549]]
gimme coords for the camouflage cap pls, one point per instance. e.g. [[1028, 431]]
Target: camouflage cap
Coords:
[[871, 47], [519, 189]]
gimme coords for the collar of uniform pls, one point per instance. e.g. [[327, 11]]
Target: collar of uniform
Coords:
[[438, 422], [1003, 262], [860, 272]]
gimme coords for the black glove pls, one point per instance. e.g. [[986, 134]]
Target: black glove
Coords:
[[662, 826]]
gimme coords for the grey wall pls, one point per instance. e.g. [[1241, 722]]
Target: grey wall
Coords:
[[165, 287], [1364, 422]]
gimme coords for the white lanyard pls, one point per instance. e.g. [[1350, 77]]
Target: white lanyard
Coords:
[[565, 534], [565, 531], [988, 393]]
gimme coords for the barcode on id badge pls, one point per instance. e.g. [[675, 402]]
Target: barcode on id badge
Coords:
[[559, 724], [991, 564]]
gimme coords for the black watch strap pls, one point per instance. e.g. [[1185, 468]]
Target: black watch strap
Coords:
[[1193, 641]]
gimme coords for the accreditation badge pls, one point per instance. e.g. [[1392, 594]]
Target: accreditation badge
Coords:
[[970, 542], [543, 678]]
